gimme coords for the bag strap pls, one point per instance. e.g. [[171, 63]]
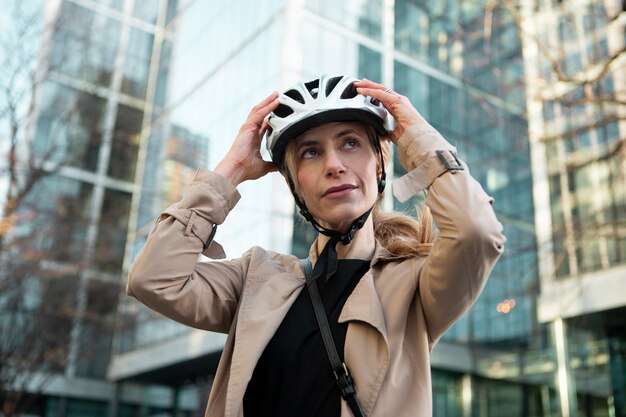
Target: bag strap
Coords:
[[340, 370]]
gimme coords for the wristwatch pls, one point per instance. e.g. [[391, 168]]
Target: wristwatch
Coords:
[[449, 160]]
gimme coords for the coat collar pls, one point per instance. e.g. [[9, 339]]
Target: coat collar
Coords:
[[380, 253]]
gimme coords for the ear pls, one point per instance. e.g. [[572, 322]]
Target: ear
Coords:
[[384, 153]]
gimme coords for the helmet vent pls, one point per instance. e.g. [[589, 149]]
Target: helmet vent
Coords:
[[295, 94], [330, 86], [283, 111], [349, 92], [313, 87]]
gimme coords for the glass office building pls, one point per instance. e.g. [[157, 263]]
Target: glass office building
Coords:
[[575, 71], [95, 68]]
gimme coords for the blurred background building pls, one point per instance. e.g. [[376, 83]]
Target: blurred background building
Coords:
[[133, 95]]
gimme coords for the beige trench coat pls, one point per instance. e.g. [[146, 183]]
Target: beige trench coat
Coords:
[[396, 313]]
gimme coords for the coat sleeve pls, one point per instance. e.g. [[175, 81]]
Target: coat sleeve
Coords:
[[166, 275], [470, 237]]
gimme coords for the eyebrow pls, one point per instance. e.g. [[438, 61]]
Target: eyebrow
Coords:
[[345, 132], [310, 142]]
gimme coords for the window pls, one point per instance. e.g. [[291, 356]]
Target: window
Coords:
[[69, 127], [125, 146], [85, 44], [111, 242], [137, 65]]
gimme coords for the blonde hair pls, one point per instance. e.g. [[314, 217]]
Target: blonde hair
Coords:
[[398, 233]]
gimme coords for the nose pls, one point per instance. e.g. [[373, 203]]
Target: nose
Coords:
[[333, 165]]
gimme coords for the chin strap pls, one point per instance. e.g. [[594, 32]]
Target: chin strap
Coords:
[[344, 238]]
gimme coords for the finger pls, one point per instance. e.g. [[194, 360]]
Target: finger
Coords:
[[264, 126], [369, 84], [264, 103], [387, 97], [257, 117]]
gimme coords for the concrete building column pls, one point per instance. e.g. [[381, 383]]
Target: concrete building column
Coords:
[[565, 381]]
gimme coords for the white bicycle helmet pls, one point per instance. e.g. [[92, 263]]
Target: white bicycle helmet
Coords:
[[325, 99]]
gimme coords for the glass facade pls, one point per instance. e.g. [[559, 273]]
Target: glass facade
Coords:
[[579, 180], [583, 135], [89, 94], [125, 143], [87, 51], [70, 126], [88, 121]]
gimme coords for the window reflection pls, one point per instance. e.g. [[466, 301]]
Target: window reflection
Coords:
[[370, 64], [55, 215], [42, 328], [69, 126], [411, 31], [137, 65], [97, 329], [149, 203], [412, 84], [114, 4], [362, 15], [146, 10], [172, 9], [111, 242], [185, 152], [125, 145], [84, 44], [162, 78]]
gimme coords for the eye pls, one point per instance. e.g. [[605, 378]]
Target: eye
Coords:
[[308, 153], [351, 143]]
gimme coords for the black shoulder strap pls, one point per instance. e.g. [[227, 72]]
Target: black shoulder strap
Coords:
[[342, 375]]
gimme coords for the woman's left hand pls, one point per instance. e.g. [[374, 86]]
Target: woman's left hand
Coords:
[[398, 106]]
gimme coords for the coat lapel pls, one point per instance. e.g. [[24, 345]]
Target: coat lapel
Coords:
[[364, 305], [368, 361], [265, 302]]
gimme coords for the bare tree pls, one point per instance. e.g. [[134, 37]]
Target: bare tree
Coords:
[[580, 87], [43, 214]]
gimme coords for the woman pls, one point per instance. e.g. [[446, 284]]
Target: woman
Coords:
[[388, 292]]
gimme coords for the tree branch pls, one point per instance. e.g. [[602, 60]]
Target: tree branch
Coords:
[[570, 134]]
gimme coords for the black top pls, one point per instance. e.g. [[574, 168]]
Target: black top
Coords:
[[293, 376]]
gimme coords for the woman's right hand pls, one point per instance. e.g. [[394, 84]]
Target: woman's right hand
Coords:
[[244, 161]]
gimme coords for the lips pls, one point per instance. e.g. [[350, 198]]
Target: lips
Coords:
[[339, 190]]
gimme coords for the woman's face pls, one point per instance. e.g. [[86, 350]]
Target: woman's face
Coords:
[[337, 173]]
